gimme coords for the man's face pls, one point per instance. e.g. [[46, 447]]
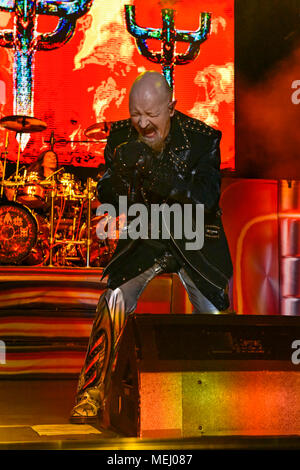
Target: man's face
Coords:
[[150, 114]]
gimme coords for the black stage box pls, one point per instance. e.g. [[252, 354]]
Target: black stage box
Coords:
[[192, 375]]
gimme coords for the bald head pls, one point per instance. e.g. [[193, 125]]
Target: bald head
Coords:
[[152, 82], [151, 108]]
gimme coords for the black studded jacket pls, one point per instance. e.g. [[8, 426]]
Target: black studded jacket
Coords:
[[189, 172]]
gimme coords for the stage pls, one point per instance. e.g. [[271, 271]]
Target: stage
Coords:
[[181, 382], [26, 404]]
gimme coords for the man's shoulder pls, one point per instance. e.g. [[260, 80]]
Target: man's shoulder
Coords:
[[120, 125], [195, 126], [119, 132]]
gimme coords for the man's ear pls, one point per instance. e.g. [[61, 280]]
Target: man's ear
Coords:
[[172, 105]]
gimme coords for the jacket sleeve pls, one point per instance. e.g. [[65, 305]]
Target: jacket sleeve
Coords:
[[201, 184], [111, 185], [205, 183]]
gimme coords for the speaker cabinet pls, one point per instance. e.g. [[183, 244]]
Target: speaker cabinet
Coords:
[[192, 375]]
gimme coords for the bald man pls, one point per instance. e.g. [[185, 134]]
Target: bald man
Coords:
[[151, 108], [157, 156]]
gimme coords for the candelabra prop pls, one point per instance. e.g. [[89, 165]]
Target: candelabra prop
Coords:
[[25, 40], [168, 36]]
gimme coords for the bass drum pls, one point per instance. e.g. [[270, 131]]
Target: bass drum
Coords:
[[21, 234], [18, 232]]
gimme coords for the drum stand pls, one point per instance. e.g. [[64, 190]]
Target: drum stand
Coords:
[[52, 196], [4, 163], [88, 240], [17, 177]]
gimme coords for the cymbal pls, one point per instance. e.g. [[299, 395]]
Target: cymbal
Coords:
[[11, 184], [98, 131], [23, 124]]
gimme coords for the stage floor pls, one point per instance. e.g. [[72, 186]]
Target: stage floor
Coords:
[[34, 416]]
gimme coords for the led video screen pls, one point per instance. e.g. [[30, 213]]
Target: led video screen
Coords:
[[80, 73]]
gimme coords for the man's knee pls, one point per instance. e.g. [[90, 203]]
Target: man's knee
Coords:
[[114, 298], [121, 298]]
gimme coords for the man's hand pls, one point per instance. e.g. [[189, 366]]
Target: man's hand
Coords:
[[133, 162], [144, 165], [165, 182]]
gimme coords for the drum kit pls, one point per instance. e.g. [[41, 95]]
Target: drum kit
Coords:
[[51, 221]]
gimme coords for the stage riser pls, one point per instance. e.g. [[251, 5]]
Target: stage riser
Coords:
[[219, 403], [206, 375]]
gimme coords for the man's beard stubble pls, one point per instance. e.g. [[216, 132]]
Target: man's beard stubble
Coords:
[[156, 146]]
